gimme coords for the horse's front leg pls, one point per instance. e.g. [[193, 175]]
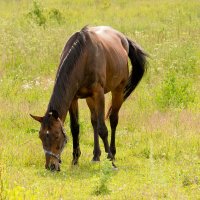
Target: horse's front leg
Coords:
[[74, 125], [96, 151]]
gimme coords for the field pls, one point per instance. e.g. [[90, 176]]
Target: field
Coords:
[[158, 136]]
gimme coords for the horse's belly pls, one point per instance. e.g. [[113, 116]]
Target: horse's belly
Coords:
[[84, 93]]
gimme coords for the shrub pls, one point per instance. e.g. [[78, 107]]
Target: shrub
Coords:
[[37, 15], [190, 180], [174, 92], [55, 15], [105, 175]]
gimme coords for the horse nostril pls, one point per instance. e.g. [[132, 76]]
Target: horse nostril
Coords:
[[52, 167]]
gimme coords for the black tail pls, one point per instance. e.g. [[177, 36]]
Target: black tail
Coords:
[[138, 61]]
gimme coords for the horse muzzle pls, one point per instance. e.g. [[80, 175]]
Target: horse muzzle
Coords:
[[53, 166]]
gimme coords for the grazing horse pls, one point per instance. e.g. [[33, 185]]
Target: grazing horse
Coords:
[[94, 61]]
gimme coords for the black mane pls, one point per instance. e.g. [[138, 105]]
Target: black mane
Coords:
[[72, 52]]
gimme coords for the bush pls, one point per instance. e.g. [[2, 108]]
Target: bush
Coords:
[[105, 175], [37, 15], [55, 15], [174, 92]]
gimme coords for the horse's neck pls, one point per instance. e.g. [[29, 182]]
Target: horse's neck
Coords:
[[63, 94], [69, 75]]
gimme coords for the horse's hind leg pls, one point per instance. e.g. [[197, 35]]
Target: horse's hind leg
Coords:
[[74, 125], [96, 151], [117, 100]]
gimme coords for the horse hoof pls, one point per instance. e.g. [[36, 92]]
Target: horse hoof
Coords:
[[74, 162], [114, 166], [95, 160], [110, 157]]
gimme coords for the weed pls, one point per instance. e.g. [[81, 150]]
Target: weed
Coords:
[[188, 180], [175, 92], [37, 15], [55, 14], [145, 153], [105, 176]]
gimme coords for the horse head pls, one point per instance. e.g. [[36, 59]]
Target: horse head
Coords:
[[53, 137]]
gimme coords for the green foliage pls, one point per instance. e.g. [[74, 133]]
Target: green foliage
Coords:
[[189, 180], [56, 15], [37, 14], [175, 92], [106, 172], [145, 153]]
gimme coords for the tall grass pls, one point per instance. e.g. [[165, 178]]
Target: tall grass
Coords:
[[157, 140]]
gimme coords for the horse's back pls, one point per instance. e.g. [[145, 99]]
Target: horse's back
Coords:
[[109, 50], [107, 33]]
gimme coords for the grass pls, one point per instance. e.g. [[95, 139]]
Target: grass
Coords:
[[158, 142]]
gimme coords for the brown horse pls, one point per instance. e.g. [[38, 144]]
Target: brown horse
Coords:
[[94, 61]]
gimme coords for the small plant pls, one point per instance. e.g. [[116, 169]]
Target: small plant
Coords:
[[145, 153], [105, 175], [174, 92], [55, 15], [106, 4], [36, 14], [188, 180]]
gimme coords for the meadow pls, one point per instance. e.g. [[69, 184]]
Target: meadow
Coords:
[[158, 136]]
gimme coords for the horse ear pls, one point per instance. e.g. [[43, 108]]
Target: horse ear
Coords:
[[37, 118], [54, 113]]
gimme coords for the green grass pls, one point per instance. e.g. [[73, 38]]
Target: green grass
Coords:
[[158, 141]]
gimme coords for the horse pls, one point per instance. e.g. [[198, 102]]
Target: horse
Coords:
[[94, 61]]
